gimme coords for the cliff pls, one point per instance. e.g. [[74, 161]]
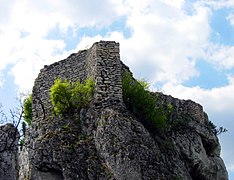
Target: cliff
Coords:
[[106, 140]]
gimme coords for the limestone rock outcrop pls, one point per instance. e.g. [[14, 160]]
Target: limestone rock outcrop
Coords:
[[106, 140], [9, 137]]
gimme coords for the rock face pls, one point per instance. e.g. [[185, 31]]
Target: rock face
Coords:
[[8, 152], [105, 140]]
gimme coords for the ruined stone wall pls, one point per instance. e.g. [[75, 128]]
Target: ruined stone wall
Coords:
[[184, 107], [108, 80], [8, 152], [101, 61], [108, 142], [71, 69]]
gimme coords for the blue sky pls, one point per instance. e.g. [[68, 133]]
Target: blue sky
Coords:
[[182, 47]]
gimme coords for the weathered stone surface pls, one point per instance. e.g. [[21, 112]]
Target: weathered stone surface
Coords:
[[197, 145], [61, 145], [105, 141], [9, 137]]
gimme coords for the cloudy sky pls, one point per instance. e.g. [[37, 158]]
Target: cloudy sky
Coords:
[[182, 47]]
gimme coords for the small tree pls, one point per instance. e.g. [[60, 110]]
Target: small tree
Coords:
[[14, 119], [67, 97], [216, 130]]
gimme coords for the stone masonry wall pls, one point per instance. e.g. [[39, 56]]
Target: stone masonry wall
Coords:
[[101, 61], [108, 80], [71, 69]]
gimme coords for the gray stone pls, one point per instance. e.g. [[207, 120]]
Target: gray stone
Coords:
[[110, 142], [9, 137]]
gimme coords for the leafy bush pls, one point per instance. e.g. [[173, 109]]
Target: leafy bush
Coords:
[[27, 105], [139, 100], [68, 97]]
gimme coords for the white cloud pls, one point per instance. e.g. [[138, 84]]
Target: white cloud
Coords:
[[164, 45], [230, 18], [165, 42], [5, 9], [216, 4], [27, 55], [31, 57], [77, 12], [87, 42], [221, 56], [214, 100], [175, 3], [159, 30], [26, 24], [1, 80]]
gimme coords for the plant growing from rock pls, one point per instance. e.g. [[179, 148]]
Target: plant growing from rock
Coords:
[[216, 130], [138, 100], [68, 98], [27, 106]]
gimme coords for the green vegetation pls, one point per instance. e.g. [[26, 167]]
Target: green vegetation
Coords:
[[68, 97], [22, 143], [215, 129], [27, 105], [27, 116], [139, 101]]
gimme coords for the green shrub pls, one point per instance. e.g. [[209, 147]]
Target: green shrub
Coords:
[[27, 105], [67, 97], [139, 100]]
